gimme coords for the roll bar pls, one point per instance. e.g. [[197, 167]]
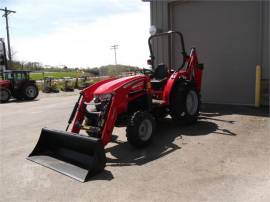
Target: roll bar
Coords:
[[169, 33]]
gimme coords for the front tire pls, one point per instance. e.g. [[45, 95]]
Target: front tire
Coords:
[[4, 95], [140, 129], [30, 92], [185, 104]]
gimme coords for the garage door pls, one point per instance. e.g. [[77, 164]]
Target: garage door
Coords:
[[226, 35]]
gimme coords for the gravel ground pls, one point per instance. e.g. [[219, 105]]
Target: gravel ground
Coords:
[[224, 157]]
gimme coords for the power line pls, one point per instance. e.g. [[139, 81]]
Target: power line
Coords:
[[115, 47], [6, 13]]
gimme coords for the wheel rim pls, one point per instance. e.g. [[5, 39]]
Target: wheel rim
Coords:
[[3, 95], [30, 91], [192, 102], [145, 130]]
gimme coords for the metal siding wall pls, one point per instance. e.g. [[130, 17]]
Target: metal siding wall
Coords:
[[226, 36], [265, 53], [159, 18], [265, 59]]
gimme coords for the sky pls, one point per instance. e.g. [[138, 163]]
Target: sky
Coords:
[[78, 33]]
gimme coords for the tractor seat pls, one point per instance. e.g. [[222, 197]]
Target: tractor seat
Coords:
[[160, 77], [161, 72]]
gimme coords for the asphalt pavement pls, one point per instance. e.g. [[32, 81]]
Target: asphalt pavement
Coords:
[[224, 157]]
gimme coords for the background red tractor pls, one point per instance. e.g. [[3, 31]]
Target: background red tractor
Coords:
[[17, 84], [136, 102]]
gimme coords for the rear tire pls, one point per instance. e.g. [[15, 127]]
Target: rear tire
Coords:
[[185, 103], [30, 92], [140, 129], [4, 95]]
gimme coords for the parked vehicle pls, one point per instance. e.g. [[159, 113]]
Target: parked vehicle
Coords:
[[17, 84], [68, 85], [50, 85], [82, 84]]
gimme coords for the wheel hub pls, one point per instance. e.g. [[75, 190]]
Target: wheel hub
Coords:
[[30, 91], [145, 130], [192, 102]]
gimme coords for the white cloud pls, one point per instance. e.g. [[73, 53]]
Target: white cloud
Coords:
[[88, 44]]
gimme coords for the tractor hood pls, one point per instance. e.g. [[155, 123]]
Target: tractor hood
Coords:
[[113, 85], [4, 83]]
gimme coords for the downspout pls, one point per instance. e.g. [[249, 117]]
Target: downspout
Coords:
[[258, 70]]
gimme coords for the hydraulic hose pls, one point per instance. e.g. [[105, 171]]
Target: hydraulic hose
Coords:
[[72, 115]]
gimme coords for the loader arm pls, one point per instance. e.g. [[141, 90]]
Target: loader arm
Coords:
[[110, 122], [87, 96]]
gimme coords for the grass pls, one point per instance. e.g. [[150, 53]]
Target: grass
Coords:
[[60, 84], [57, 75]]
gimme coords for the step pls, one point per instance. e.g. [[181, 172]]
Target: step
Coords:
[[158, 102]]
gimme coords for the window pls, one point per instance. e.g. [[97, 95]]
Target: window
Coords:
[[20, 76], [8, 76]]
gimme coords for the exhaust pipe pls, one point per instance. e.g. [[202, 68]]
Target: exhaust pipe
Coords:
[[76, 156]]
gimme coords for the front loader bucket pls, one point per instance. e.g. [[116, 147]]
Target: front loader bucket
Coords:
[[74, 155]]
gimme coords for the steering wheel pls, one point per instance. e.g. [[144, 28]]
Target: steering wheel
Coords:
[[147, 71]]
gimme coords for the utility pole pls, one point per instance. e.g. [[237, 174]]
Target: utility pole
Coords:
[[7, 12], [115, 47]]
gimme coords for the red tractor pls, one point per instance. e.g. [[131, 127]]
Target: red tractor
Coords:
[[135, 102], [17, 84]]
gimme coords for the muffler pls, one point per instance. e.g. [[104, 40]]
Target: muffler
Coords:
[[76, 156]]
